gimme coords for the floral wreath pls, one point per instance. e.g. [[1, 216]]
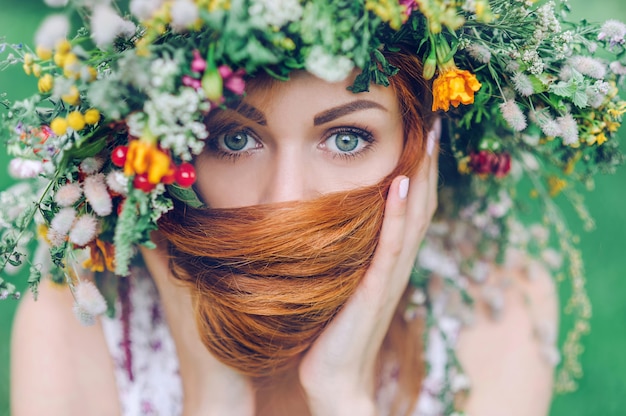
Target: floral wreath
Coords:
[[109, 138]]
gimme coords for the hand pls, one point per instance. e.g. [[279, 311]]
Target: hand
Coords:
[[337, 373], [210, 387]]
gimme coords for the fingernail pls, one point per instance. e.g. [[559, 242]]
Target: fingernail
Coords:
[[403, 189]]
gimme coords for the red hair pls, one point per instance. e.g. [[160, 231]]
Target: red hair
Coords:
[[266, 280]]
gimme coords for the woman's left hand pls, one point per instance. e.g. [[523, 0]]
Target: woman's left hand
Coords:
[[337, 373]]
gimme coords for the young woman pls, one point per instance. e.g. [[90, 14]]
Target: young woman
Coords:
[[279, 283]]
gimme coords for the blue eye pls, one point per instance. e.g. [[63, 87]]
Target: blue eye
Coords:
[[348, 142], [235, 143]]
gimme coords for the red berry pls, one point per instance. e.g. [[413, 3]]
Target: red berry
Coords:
[[118, 156], [185, 175], [141, 182]]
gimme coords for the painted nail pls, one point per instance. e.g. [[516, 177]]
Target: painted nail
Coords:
[[403, 189]]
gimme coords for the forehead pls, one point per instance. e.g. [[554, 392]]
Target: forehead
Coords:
[[306, 92]]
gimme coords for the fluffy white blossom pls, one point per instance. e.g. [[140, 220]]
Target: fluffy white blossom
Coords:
[[328, 67], [479, 52], [25, 168], [97, 195], [164, 72], [569, 129], [613, 31], [68, 194], [63, 221], [589, 66], [513, 115], [55, 3], [106, 25], [184, 13], [83, 230], [53, 29], [91, 165], [144, 9], [117, 182], [549, 126], [618, 68], [523, 84], [89, 298], [275, 12]]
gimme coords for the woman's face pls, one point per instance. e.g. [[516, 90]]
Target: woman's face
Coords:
[[297, 140]]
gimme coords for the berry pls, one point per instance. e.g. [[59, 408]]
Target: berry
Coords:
[[185, 175], [142, 183], [118, 156]]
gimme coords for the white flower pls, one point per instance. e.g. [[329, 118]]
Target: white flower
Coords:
[[549, 126], [84, 230], [55, 3], [89, 298], [614, 31], [569, 129], [479, 52], [53, 29], [25, 168], [184, 13], [618, 68], [84, 317], [67, 194], [117, 182], [106, 25], [513, 115], [589, 66], [276, 12], [63, 221], [328, 67], [98, 195], [144, 9], [522, 84], [91, 165]]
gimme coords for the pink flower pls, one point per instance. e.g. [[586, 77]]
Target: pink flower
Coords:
[[410, 6], [192, 82], [198, 64], [233, 80]]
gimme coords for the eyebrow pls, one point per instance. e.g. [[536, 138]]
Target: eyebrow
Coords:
[[345, 109], [251, 113]]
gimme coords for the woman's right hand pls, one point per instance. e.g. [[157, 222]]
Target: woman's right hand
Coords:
[[209, 387]]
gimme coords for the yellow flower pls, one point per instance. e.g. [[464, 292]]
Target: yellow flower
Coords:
[[59, 126], [71, 66], [45, 83], [28, 59], [454, 86], [63, 46], [72, 97], [76, 120], [27, 69], [37, 70], [102, 256], [556, 185], [43, 53], [143, 156], [92, 116]]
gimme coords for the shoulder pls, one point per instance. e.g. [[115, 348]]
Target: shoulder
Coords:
[[510, 357], [58, 366]]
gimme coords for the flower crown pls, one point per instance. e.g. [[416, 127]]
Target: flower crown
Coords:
[[110, 136]]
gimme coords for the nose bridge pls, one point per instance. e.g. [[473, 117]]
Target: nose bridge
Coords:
[[287, 176]]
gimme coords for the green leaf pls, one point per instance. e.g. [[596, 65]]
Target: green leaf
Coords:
[[186, 195]]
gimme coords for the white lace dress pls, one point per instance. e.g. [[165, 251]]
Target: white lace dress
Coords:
[[146, 364]]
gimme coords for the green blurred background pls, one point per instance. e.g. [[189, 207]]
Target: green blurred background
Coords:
[[602, 390]]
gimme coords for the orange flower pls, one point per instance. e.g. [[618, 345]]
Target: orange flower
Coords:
[[102, 256], [454, 86], [143, 157]]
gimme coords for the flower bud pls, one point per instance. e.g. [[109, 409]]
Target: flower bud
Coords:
[[430, 66], [213, 85]]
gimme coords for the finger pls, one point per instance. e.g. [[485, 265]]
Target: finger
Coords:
[[391, 239]]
